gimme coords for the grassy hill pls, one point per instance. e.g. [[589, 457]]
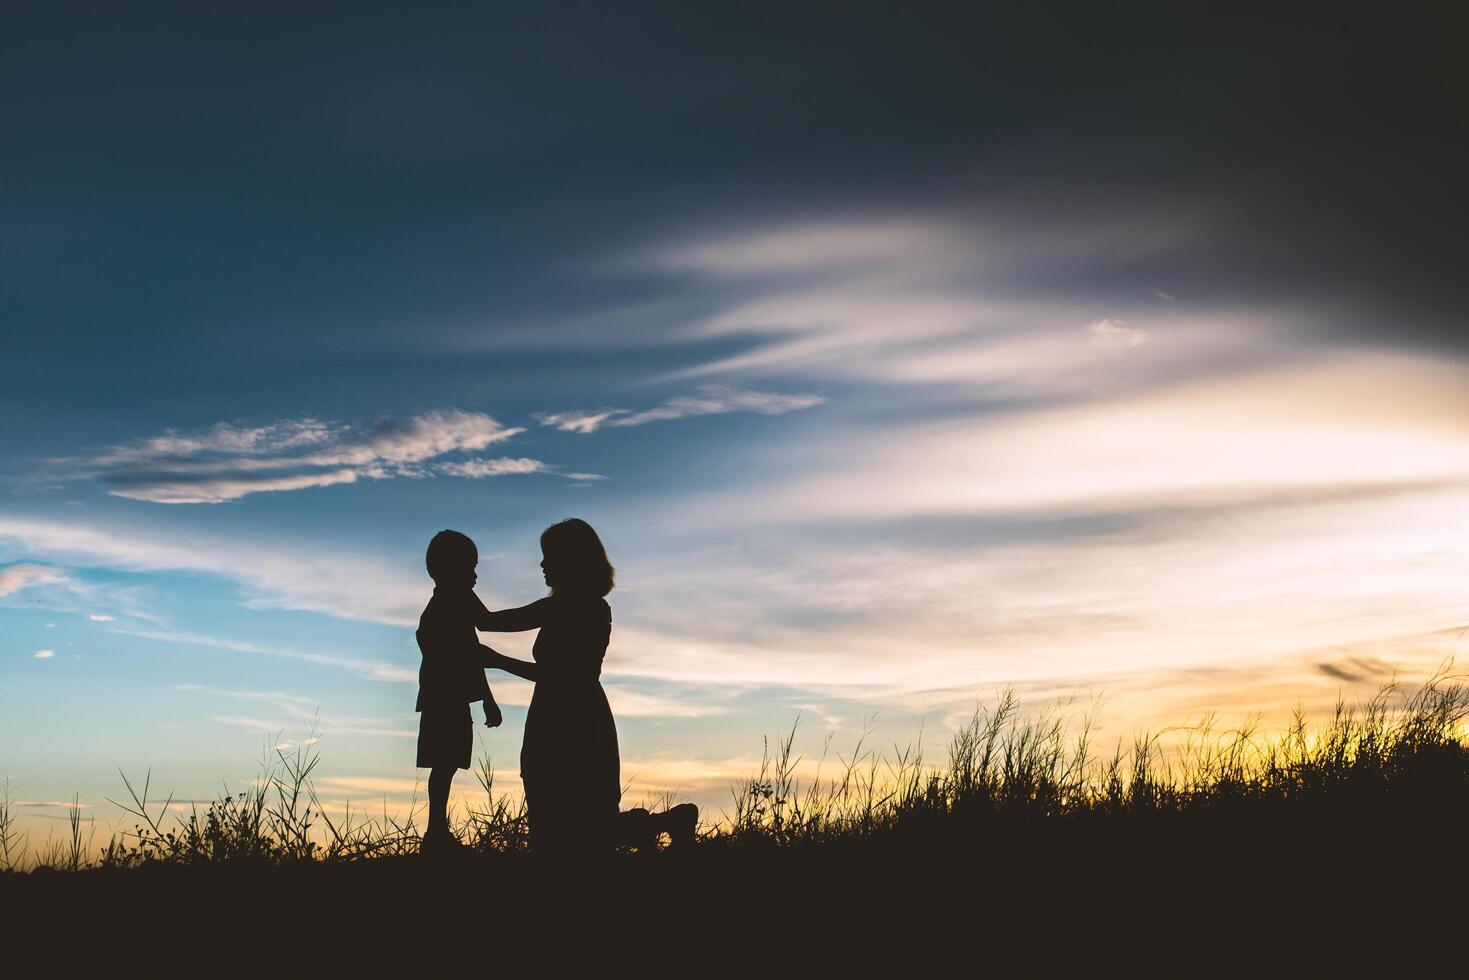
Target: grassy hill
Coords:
[[1022, 831]]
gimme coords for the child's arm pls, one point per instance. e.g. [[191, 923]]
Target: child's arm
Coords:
[[520, 668], [491, 658], [493, 715]]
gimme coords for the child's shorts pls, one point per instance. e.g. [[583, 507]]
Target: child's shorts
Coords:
[[445, 737]]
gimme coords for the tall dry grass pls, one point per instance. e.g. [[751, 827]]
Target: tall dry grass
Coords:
[[1400, 746], [1004, 764]]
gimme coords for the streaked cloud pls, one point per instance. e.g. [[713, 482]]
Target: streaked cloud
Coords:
[[1341, 420], [223, 438], [371, 784], [281, 576], [377, 670], [993, 307], [100, 618], [59, 804], [479, 469], [883, 620], [229, 461], [711, 400], [807, 247], [582, 422], [634, 702], [1116, 334], [270, 726], [21, 575], [44, 654]]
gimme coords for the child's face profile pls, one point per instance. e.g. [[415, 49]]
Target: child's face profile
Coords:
[[464, 575]]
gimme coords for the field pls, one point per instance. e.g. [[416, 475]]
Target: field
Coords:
[[1021, 830]]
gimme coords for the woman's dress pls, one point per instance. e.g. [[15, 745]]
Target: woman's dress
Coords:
[[569, 762]]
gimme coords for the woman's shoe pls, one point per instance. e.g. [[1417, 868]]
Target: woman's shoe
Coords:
[[681, 823], [638, 830]]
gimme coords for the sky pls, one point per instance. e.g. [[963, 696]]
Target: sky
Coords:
[[899, 353]]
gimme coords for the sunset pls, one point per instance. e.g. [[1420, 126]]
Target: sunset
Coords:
[[898, 360]]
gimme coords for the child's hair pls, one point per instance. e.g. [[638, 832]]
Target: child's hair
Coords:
[[450, 552], [581, 561]]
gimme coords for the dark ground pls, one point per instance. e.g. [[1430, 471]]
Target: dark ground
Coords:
[[1376, 890]]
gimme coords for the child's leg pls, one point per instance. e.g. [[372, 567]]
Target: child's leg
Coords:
[[439, 780]]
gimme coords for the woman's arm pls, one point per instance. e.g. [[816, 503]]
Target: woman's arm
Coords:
[[509, 620]]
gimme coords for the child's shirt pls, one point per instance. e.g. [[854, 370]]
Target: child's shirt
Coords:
[[450, 673]]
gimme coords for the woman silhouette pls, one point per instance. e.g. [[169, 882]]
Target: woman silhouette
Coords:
[[569, 762]]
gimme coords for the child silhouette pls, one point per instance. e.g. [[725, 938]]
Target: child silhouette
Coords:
[[450, 677]]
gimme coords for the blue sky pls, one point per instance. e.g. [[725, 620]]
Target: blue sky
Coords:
[[896, 357]]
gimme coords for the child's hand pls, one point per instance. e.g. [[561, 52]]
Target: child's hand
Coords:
[[493, 717]]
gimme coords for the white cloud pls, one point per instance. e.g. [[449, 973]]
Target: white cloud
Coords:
[[1115, 334], [100, 618], [44, 654], [15, 577], [277, 437], [632, 703], [582, 422], [1349, 420], [349, 585], [718, 400], [711, 400], [179, 487], [807, 247], [479, 469], [881, 620], [924, 299], [377, 670], [371, 784], [274, 726], [227, 461]]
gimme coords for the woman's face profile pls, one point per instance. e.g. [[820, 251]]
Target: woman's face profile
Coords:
[[546, 569]]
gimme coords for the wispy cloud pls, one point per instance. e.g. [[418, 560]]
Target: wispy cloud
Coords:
[[1115, 334], [1173, 591], [480, 469], [230, 461], [373, 669], [271, 726], [711, 400], [44, 654], [61, 804], [582, 422], [807, 247], [1332, 423], [15, 577], [349, 585], [996, 306]]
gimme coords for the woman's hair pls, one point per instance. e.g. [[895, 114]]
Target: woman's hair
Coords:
[[580, 560], [450, 553]]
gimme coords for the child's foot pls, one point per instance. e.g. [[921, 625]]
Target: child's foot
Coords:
[[681, 824], [438, 843]]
